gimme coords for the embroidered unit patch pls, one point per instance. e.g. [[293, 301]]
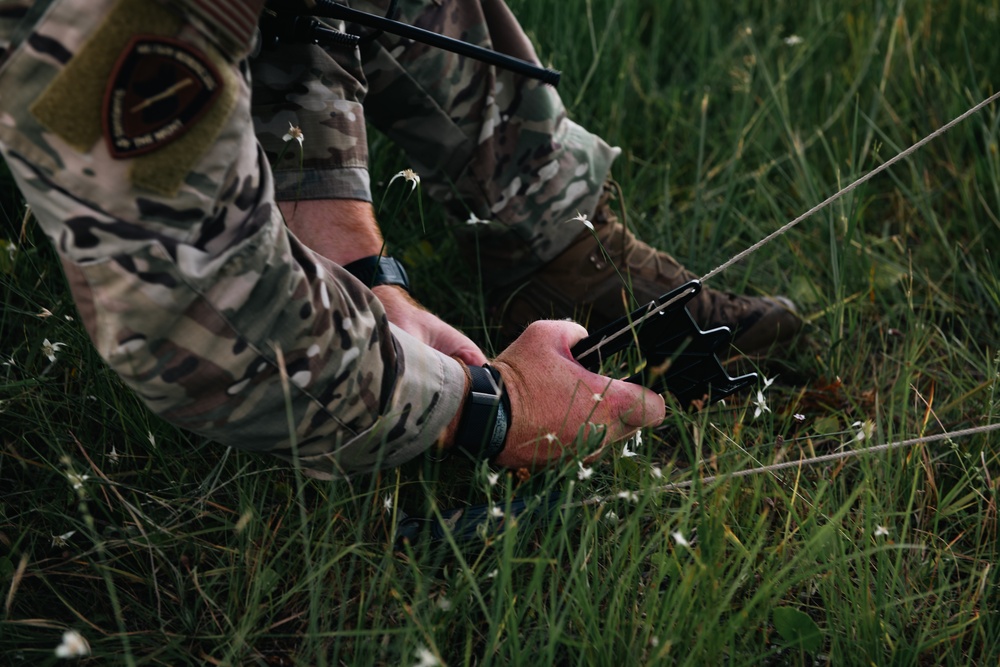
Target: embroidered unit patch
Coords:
[[158, 90]]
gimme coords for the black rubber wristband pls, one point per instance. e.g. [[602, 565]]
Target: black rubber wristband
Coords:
[[482, 430], [378, 270]]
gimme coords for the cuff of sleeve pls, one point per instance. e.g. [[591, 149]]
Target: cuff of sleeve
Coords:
[[428, 392], [340, 183]]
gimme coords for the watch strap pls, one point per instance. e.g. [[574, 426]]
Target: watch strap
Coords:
[[379, 270], [482, 430]]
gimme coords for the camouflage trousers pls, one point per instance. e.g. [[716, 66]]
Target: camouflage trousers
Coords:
[[127, 126], [486, 142]]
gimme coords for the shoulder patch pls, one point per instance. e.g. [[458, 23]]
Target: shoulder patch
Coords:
[[157, 91]]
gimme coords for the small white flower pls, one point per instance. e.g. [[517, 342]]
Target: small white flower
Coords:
[[50, 349], [657, 472], [626, 452], [582, 217], [152, 440], [444, 604], [630, 496], [44, 313], [761, 405], [113, 456], [9, 362], [598, 398], [409, 175], [880, 531], [493, 574], [496, 512], [654, 641], [73, 645], [611, 517], [493, 478], [76, 479], [799, 417], [551, 437], [425, 658], [793, 40], [11, 249], [680, 539], [583, 473], [473, 220], [294, 132], [387, 503], [62, 540], [865, 429]]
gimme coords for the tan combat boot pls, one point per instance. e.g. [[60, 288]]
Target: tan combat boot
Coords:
[[582, 283]]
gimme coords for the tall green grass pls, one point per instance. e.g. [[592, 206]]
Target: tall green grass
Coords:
[[183, 552]]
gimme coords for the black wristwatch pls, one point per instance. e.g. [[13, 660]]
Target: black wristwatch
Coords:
[[379, 270], [482, 430]]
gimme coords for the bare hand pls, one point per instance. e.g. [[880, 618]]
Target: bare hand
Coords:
[[552, 396], [427, 327]]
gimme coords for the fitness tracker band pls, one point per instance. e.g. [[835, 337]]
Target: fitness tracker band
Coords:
[[379, 270]]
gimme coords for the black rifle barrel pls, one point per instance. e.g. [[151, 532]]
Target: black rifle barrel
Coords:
[[333, 10]]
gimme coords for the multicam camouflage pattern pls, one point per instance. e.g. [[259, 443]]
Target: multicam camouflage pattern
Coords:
[[485, 141], [201, 300]]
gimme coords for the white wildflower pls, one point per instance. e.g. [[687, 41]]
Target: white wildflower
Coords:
[[387, 503], [492, 574], [408, 175], [793, 40], [493, 478], [425, 658], [865, 429], [50, 349], [76, 480], [880, 531], [73, 645], [473, 220], [551, 437], [598, 398], [62, 540], [630, 496], [799, 417], [444, 604], [43, 314], [654, 641], [583, 473], [152, 440], [626, 452], [496, 512], [761, 405], [611, 517], [294, 132], [11, 249], [680, 539], [113, 456], [582, 217], [657, 472]]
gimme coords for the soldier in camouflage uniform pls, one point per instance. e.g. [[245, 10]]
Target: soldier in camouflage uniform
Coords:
[[127, 125]]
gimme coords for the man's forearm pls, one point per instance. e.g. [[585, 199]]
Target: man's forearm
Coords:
[[342, 230]]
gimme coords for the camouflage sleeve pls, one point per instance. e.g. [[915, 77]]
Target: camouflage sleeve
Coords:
[[188, 282], [319, 91]]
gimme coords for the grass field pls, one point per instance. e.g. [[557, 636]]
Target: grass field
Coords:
[[734, 117]]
